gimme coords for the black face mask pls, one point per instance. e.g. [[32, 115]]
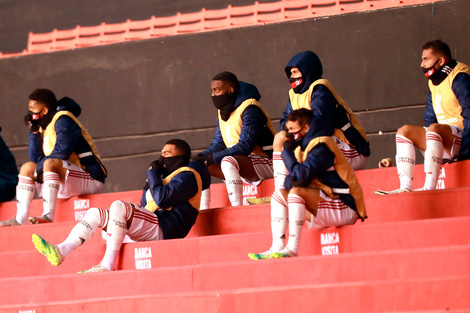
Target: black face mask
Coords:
[[171, 164], [296, 83], [225, 103], [438, 76], [293, 140]]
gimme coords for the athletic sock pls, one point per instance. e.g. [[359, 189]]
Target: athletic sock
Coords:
[[50, 191], [432, 159], [205, 199], [280, 171], [279, 221], [296, 221], [84, 229], [119, 214], [24, 195], [233, 180], [405, 159]]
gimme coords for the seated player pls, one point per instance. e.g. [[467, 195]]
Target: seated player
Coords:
[[321, 187], [168, 209], [332, 116], [242, 145], [447, 118]]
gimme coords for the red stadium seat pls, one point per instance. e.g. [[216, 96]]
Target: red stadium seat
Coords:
[[325, 7], [40, 42], [164, 26], [116, 32], [190, 22], [216, 19], [140, 29], [90, 35], [243, 15], [297, 9], [270, 12], [66, 39]]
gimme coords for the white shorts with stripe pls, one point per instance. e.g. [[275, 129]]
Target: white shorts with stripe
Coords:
[[332, 212], [145, 225], [357, 160], [454, 151], [263, 168], [77, 182]]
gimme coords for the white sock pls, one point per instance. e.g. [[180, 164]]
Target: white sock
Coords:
[[119, 213], [296, 221], [405, 158], [279, 221], [280, 171], [233, 180], [50, 191], [24, 195], [432, 159], [84, 229], [205, 199]]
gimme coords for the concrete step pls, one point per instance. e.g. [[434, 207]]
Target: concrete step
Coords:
[[424, 263], [430, 295], [453, 175], [414, 234]]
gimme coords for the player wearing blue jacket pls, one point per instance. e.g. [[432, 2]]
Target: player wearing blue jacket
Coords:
[[447, 120], [8, 172], [242, 146], [64, 159], [333, 117], [168, 209], [321, 187]]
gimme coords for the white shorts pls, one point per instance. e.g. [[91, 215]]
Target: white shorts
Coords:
[[454, 151], [145, 226], [77, 182], [263, 168], [357, 160], [332, 212]]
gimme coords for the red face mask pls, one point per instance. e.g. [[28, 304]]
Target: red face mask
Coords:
[[295, 82]]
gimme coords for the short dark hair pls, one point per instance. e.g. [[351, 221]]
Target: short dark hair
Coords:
[[44, 96], [181, 146], [440, 47], [229, 78], [302, 116]]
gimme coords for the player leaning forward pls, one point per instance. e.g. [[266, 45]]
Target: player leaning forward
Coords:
[[321, 187], [64, 159], [447, 117], [169, 208]]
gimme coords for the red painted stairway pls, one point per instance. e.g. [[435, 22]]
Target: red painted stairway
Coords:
[[411, 254]]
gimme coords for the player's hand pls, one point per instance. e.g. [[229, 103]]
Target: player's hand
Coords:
[[209, 159], [156, 165], [33, 124], [290, 144]]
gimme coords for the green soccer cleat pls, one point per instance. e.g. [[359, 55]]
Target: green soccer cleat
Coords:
[[51, 251], [259, 256], [254, 201], [282, 254]]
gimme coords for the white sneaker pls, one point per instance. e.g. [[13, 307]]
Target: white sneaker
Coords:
[[422, 189], [95, 269], [399, 190]]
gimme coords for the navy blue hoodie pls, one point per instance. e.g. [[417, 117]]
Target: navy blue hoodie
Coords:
[[254, 130]]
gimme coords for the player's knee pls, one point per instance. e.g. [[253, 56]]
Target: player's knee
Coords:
[[117, 208], [96, 217], [27, 169], [404, 131], [279, 140], [53, 165], [229, 163], [439, 128]]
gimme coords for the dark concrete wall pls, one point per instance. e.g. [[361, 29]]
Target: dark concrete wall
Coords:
[[136, 95], [17, 18]]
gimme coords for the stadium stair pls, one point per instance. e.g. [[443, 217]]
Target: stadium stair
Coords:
[[411, 254]]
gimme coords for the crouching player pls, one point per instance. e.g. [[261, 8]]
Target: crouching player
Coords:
[[321, 187], [169, 207]]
